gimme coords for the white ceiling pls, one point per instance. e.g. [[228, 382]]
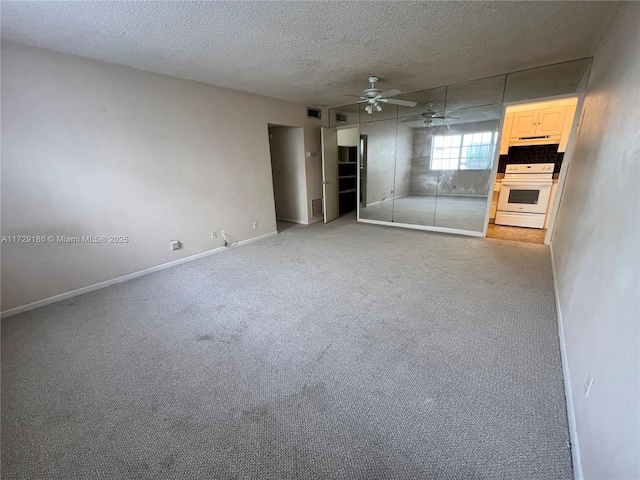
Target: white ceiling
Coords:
[[312, 52]]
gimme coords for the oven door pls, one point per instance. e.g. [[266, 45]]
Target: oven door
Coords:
[[525, 197]]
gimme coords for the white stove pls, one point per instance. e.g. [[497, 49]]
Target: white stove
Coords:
[[524, 195]]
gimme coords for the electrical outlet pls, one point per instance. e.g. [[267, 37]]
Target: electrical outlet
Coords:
[[255, 225], [223, 233], [174, 244], [214, 235], [588, 384]]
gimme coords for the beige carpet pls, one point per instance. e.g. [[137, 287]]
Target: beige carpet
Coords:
[[339, 351]]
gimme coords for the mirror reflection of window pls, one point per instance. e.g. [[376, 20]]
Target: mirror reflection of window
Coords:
[[468, 151], [445, 153]]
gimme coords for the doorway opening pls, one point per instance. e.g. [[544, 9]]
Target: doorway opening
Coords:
[[286, 146], [348, 143], [534, 138]]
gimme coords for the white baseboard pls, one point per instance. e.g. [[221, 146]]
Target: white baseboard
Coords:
[[123, 278], [291, 220], [576, 457], [316, 220], [386, 200]]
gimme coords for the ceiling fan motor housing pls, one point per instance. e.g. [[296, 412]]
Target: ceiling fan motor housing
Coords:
[[371, 93]]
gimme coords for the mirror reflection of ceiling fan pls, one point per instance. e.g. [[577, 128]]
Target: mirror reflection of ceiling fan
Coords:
[[429, 116], [374, 96]]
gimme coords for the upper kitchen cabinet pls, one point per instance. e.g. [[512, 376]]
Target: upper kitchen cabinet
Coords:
[[551, 121], [538, 124], [547, 122]]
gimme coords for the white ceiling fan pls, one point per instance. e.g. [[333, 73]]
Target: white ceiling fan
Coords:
[[374, 96]]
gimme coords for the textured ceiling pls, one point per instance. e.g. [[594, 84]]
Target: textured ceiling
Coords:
[[311, 52]]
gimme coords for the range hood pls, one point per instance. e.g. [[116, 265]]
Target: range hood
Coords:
[[538, 140]]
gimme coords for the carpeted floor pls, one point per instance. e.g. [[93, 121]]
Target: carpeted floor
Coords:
[[458, 212], [339, 351]]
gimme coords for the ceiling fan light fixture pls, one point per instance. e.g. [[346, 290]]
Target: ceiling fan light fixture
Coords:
[[371, 96]]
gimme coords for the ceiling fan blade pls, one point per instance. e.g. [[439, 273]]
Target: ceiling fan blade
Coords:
[[349, 95], [390, 93], [393, 101]]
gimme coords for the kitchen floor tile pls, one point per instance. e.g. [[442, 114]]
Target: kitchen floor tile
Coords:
[[517, 234]]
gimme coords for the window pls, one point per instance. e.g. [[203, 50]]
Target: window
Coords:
[[469, 151], [445, 154]]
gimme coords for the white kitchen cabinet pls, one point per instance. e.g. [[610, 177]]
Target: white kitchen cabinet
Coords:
[[551, 121], [524, 124], [537, 123]]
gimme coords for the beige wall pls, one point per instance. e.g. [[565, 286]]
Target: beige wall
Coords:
[[91, 148], [595, 248], [348, 137], [288, 167]]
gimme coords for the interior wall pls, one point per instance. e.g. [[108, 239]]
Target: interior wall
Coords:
[[92, 148], [288, 168], [595, 249]]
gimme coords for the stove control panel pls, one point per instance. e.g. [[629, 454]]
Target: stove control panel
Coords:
[[530, 168]]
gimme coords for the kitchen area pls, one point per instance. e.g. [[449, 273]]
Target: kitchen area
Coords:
[[534, 140]]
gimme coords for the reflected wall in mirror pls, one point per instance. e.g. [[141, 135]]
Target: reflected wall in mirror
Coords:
[[464, 153], [344, 116], [463, 157], [485, 91], [430, 103], [451, 158], [558, 79], [381, 156]]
